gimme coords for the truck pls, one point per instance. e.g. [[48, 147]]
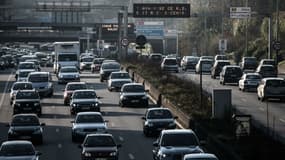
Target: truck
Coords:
[[66, 54]]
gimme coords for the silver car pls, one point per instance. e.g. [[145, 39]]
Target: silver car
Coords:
[[68, 74], [20, 149], [86, 123], [19, 86]]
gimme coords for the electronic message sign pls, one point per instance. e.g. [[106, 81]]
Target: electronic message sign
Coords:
[[161, 10]]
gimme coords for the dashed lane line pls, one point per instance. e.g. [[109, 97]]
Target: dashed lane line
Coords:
[[131, 156]]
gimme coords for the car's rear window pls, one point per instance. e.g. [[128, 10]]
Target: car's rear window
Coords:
[[17, 150], [159, 114], [72, 87], [27, 95], [99, 141], [133, 88], [22, 86], [89, 119], [170, 62], [84, 95], [179, 139], [38, 78], [25, 121]]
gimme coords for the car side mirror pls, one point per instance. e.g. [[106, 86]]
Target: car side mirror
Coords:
[[38, 153], [175, 117], [106, 121], [155, 144], [80, 146], [43, 124], [203, 142], [147, 90], [99, 97], [72, 121], [143, 118]]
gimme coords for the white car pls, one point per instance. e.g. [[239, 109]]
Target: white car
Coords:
[[117, 80], [27, 66], [249, 81], [68, 74], [23, 75], [87, 123], [86, 62], [200, 156], [271, 88], [169, 65], [19, 86]]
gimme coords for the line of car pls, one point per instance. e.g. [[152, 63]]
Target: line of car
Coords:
[[89, 127]]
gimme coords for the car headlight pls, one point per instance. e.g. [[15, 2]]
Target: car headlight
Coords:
[[38, 130], [95, 104], [17, 104], [36, 104], [87, 154], [171, 124], [113, 153], [74, 105], [164, 155], [60, 76], [77, 75], [150, 124], [11, 131], [124, 97], [144, 97]]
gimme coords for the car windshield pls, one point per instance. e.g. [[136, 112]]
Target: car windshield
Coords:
[[250, 59], [89, 119], [133, 88], [84, 95], [111, 66], [27, 95], [120, 76], [256, 77], [275, 83], [268, 68], [98, 61], [67, 57], [233, 71], [159, 114], [99, 141], [25, 121], [179, 140], [73, 87], [87, 59], [170, 62], [17, 150], [68, 70], [27, 66], [269, 62], [38, 78], [24, 74], [22, 86], [193, 59]]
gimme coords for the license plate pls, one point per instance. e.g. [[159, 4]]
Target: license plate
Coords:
[[85, 108], [25, 137], [135, 101], [27, 109]]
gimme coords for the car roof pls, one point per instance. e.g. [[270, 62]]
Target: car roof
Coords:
[[200, 155], [71, 83], [13, 142], [232, 66], [89, 113], [267, 65], [68, 67], [99, 134], [119, 72], [22, 83], [33, 73], [157, 108], [169, 58], [222, 60], [273, 78], [85, 90], [25, 114], [130, 84], [173, 131], [27, 62]]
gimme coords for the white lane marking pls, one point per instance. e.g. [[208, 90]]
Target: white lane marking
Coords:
[[243, 99], [59, 146], [121, 138], [5, 90], [261, 108], [112, 124], [53, 106], [131, 156], [57, 130], [282, 120]]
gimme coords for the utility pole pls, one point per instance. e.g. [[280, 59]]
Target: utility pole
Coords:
[[277, 29], [246, 31]]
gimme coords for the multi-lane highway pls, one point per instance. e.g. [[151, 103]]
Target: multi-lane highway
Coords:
[[247, 103], [124, 123]]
